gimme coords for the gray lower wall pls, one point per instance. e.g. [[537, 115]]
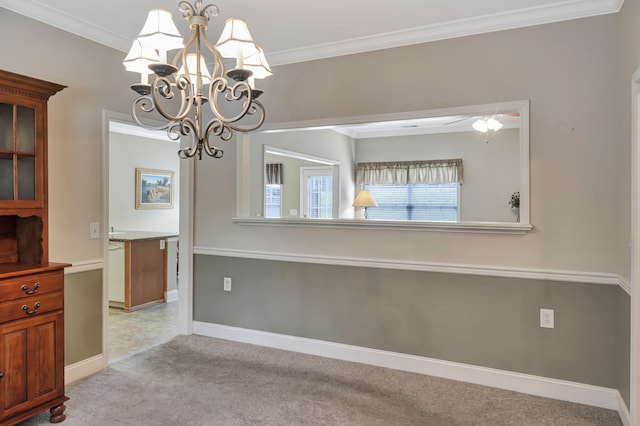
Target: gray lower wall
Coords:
[[82, 316], [478, 320], [624, 345], [172, 266]]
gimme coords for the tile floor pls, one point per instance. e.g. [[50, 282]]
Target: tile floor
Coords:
[[134, 331]]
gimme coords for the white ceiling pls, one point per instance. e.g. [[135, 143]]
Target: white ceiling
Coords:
[[300, 30]]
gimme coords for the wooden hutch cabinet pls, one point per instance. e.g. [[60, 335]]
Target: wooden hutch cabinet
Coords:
[[31, 288]]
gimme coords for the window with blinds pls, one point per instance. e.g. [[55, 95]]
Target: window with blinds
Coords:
[[419, 202], [320, 197], [272, 200]]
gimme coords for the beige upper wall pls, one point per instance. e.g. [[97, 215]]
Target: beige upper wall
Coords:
[[96, 80], [567, 70], [628, 18], [126, 154]]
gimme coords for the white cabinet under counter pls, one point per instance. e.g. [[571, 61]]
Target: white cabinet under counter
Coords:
[[145, 268], [116, 274]]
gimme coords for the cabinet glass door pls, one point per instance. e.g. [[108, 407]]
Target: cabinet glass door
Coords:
[[17, 152]]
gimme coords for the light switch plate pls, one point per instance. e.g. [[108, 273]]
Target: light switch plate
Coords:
[[94, 230]]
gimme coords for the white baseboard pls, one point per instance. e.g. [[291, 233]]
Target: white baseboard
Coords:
[[623, 411], [171, 296], [534, 385], [84, 368]]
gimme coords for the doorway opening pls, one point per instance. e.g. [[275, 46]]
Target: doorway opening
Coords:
[[141, 213]]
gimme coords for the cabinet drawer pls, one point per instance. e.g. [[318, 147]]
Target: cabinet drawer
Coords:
[[31, 285], [31, 306]]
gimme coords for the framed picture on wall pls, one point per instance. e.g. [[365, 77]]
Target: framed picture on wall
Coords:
[[154, 189]]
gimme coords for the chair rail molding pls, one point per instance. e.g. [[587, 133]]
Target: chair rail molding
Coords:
[[449, 268]]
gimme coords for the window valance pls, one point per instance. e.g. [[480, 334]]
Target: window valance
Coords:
[[410, 172], [274, 173]]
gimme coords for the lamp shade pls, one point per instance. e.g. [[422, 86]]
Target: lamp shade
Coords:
[[236, 41], [364, 199], [159, 32], [139, 58], [257, 63], [191, 67]]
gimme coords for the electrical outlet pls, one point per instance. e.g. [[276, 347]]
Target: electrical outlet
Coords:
[[547, 318], [94, 230], [227, 284]]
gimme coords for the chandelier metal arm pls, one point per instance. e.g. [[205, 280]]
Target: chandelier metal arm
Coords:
[[218, 61], [187, 128], [215, 127], [163, 90], [145, 104], [197, 9], [220, 89], [256, 107]]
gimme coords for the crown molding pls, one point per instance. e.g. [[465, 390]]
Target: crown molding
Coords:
[[570, 9], [56, 18]]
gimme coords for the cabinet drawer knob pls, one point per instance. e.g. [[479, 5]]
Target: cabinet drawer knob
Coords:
[[25, 288], [1, 375], [35, 308]]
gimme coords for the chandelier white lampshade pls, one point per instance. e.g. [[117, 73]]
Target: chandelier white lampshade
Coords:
[[192, 68], [257, 63], [485, 124], [188, 96], [138, 60], [159, 32], [236, 41]]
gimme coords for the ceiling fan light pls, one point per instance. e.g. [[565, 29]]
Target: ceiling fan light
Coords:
[[494, 124], [480, 125]]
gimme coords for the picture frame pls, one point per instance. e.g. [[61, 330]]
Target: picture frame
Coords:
[[154, 189]]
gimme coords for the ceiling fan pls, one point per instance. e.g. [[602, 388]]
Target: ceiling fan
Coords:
[[483, 123]]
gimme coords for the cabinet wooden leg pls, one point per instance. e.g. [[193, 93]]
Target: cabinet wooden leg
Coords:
[[57, 413]]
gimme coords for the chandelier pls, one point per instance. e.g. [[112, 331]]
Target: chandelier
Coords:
[[183, 97]]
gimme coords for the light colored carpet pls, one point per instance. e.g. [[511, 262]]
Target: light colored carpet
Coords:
[[194, 380]]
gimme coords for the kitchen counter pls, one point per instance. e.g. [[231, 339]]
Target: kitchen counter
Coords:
[[139, 235], [144, 263]]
